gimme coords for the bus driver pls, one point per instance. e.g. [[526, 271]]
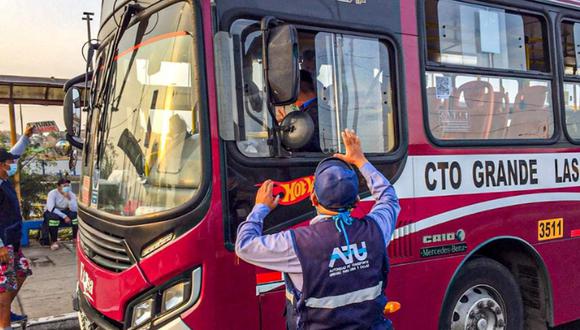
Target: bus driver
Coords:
[[306, 102], [336, 268]]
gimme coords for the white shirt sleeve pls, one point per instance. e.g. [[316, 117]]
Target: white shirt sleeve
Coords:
[[20, 146]]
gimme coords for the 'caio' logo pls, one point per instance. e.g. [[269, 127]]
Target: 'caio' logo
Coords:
[[294, 191]]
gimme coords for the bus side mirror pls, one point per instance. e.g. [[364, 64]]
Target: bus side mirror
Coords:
[[297, 130], [72, 108], [72, 116], [282, 64]]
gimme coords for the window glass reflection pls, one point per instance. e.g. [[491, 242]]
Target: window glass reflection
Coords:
[[476, 107]]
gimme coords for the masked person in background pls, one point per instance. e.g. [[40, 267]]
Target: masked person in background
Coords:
[[336, 268], [61, 210], [14, 267]]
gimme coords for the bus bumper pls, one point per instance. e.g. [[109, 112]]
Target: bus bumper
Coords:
[[90, 319]]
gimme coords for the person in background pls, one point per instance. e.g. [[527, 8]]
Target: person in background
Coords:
[[308, 63], [336, 268], [14, 267], [61, 210]]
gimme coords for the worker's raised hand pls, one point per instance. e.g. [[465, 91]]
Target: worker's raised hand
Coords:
[[354, 154], [29, 130], [4, 256], [265, 195]]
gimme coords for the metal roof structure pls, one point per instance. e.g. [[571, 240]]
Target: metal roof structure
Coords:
[[31, 90]]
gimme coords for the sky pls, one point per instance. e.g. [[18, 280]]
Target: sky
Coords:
[[43, 38]]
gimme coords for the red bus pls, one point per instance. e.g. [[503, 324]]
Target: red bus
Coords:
[[471, 108]]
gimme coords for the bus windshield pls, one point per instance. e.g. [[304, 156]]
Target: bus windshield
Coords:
[[149, 133]]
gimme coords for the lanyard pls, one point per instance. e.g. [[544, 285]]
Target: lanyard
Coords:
[[307, 104]]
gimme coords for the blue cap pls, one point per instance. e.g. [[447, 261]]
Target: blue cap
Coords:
[[335, 184], [5, 155]]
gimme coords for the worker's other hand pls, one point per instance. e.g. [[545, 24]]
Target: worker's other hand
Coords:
[[4, 255], [265, 196], [280, 114], [67, 219], [354, 154], [29, 130]]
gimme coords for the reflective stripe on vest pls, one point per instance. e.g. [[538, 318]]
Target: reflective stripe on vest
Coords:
[[347, 298]]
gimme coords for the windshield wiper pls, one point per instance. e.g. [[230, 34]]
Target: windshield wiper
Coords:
[[105, 92], [139, 37]]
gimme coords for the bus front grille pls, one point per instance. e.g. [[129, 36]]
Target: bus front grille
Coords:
[[104, 249]]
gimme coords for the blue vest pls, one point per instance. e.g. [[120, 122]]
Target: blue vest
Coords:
[[10, 216], [341, 290]]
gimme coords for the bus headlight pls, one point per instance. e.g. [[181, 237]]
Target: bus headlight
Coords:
[[142, 312], [164, 302], [173, 297]]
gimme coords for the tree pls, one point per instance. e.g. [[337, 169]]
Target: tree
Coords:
[[108, 161], [34, 187], [4, 139]]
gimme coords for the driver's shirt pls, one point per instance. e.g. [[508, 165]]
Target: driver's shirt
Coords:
[[277, 252]]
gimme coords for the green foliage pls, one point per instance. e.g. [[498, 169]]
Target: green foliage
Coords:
[[4, 139], [33, 186], [108, 161]]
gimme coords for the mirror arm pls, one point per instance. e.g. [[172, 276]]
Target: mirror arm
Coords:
[[73, 142], [77, 80]]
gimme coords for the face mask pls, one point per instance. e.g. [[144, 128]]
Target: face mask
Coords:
[[13, 169], [66, 189]]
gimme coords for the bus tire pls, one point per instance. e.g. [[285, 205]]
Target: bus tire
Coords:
[[483, 295]]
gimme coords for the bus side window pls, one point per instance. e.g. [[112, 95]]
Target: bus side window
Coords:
[[571, 63], [355, 91], [483, 105], [479, 107]]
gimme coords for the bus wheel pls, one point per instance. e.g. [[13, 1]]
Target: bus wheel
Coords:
[[483, 296]]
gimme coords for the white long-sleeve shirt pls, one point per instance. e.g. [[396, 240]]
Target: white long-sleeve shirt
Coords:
[[56, 203]]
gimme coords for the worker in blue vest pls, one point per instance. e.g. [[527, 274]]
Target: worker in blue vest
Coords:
[[336, 268], [14, 267]]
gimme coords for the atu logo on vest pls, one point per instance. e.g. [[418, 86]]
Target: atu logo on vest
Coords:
[[346, 255]]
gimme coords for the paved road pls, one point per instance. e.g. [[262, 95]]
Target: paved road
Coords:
[[49, 291]]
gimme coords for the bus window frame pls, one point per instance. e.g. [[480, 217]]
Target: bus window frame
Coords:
[[552, 75], [396, 68], [562, 18], [199, 202]]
